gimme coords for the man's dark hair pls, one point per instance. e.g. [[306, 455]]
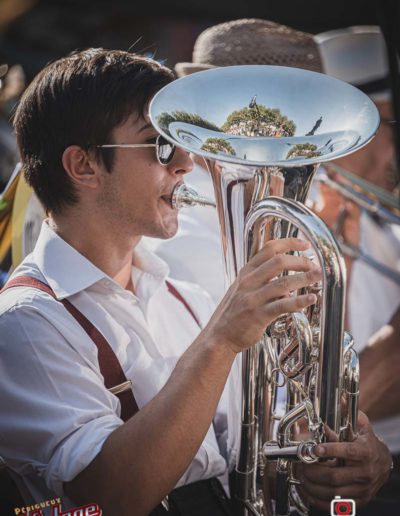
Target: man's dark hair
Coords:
[[79, 100]]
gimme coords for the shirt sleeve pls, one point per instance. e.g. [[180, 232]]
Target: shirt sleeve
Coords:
[[56, 411]]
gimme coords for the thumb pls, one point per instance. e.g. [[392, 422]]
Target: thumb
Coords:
[[363, 422], [330, 435]]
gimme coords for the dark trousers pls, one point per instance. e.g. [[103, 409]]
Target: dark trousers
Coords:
[[203, 498], [9, 494]]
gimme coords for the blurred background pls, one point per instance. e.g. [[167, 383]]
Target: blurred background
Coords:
[[34, 32]]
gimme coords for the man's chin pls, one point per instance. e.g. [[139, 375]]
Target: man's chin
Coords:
[[165, 232], [169, 233]]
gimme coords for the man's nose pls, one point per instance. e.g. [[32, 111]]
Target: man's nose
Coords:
[[181, 163]]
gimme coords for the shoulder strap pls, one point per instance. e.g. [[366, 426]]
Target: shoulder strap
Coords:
[[180, 298], [114, 377]]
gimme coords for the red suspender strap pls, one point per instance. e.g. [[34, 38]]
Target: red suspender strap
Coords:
[[114, 377], [180, 298]]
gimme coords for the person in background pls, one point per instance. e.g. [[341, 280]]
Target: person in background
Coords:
[[358, 55], [12, 83], [13, 80]]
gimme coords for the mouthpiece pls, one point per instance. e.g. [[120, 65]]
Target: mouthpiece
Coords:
[[184, 196]]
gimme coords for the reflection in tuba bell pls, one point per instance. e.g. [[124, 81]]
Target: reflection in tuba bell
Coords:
[[262, 131]]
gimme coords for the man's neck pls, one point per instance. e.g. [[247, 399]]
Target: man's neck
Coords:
[[103, 246]]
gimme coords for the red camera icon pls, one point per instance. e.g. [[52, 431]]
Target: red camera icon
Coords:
[[343, 507]]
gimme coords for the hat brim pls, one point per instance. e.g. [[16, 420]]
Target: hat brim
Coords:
[[183, 69]]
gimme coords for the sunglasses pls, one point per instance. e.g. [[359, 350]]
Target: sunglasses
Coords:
[[164, 149]]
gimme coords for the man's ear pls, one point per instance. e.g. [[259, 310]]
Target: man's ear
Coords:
[[80, 168]]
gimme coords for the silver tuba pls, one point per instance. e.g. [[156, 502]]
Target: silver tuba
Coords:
[[262, 131]]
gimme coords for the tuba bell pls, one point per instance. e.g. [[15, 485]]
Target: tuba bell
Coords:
[[262, 131]]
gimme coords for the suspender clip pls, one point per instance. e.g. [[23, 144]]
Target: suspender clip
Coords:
[[165, 503], [122, 387]]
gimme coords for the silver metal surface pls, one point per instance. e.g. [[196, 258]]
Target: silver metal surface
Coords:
[[389, 200], [264, 115], [184, 196], [372, 206], [363, 200], [333, 284], [262, 131]]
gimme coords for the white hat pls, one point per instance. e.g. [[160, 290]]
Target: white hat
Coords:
[[358, 56]]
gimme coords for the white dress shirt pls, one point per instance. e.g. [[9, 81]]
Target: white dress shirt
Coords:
[[55, 410]]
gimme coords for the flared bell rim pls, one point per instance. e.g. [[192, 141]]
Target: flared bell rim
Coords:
[[367, 116]]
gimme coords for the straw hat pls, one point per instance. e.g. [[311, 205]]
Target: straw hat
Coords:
[[358, 56], [252, 41]]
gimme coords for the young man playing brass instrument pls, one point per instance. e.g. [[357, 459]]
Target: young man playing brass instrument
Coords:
[[112, 374]]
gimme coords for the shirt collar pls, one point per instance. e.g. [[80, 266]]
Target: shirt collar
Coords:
[[56, 259]]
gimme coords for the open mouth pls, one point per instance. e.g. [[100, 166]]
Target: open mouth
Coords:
[[169, 198]]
